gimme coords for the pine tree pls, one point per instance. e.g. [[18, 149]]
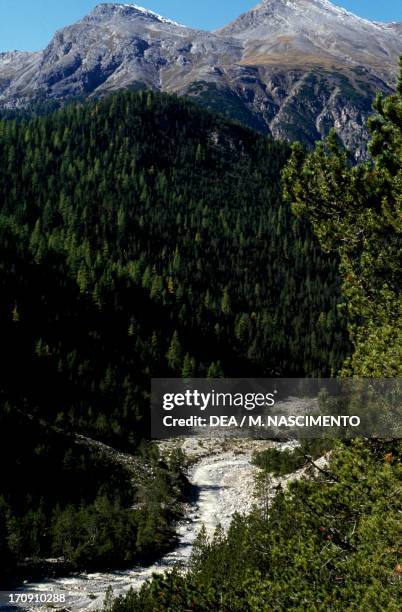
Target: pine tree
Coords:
[[188, 370], [174, 354], [215, 370], [356, 212], [15, 315], [226, 302]]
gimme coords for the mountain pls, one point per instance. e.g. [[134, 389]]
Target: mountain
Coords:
[[315, 32], [293, 68]]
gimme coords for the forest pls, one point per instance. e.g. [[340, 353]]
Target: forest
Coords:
[[330, 541], [63, 498], [140, 236]]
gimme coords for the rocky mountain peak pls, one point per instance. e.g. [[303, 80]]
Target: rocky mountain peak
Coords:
[[299, 13], [293, 68], [315, 32], [112, 9]]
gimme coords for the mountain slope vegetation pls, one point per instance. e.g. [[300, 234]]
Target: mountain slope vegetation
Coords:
[[330, 541], [139, 237], [152, 235]]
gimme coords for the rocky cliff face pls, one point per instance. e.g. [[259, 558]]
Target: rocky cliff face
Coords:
[[293, 68]]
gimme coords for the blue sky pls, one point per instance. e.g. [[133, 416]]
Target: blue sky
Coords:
[[30, 24]]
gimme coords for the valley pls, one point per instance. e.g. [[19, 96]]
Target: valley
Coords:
[[168, 210], [222, 477]]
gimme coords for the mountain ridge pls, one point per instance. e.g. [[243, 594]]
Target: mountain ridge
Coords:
[[292, 69], [138, 10]]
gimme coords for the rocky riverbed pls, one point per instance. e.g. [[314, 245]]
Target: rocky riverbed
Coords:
[[223, 478]]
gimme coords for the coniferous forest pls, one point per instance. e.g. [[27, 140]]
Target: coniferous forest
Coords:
[[141, 237], [330, 541]]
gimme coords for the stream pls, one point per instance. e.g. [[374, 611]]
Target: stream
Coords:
[[224, 480]]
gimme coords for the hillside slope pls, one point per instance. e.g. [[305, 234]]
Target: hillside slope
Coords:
[[140, 236]]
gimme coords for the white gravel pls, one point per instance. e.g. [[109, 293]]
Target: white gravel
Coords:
[[224, 478]]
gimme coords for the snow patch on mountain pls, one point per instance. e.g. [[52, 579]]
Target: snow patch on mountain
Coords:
[[147, 13], [345, 14]]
